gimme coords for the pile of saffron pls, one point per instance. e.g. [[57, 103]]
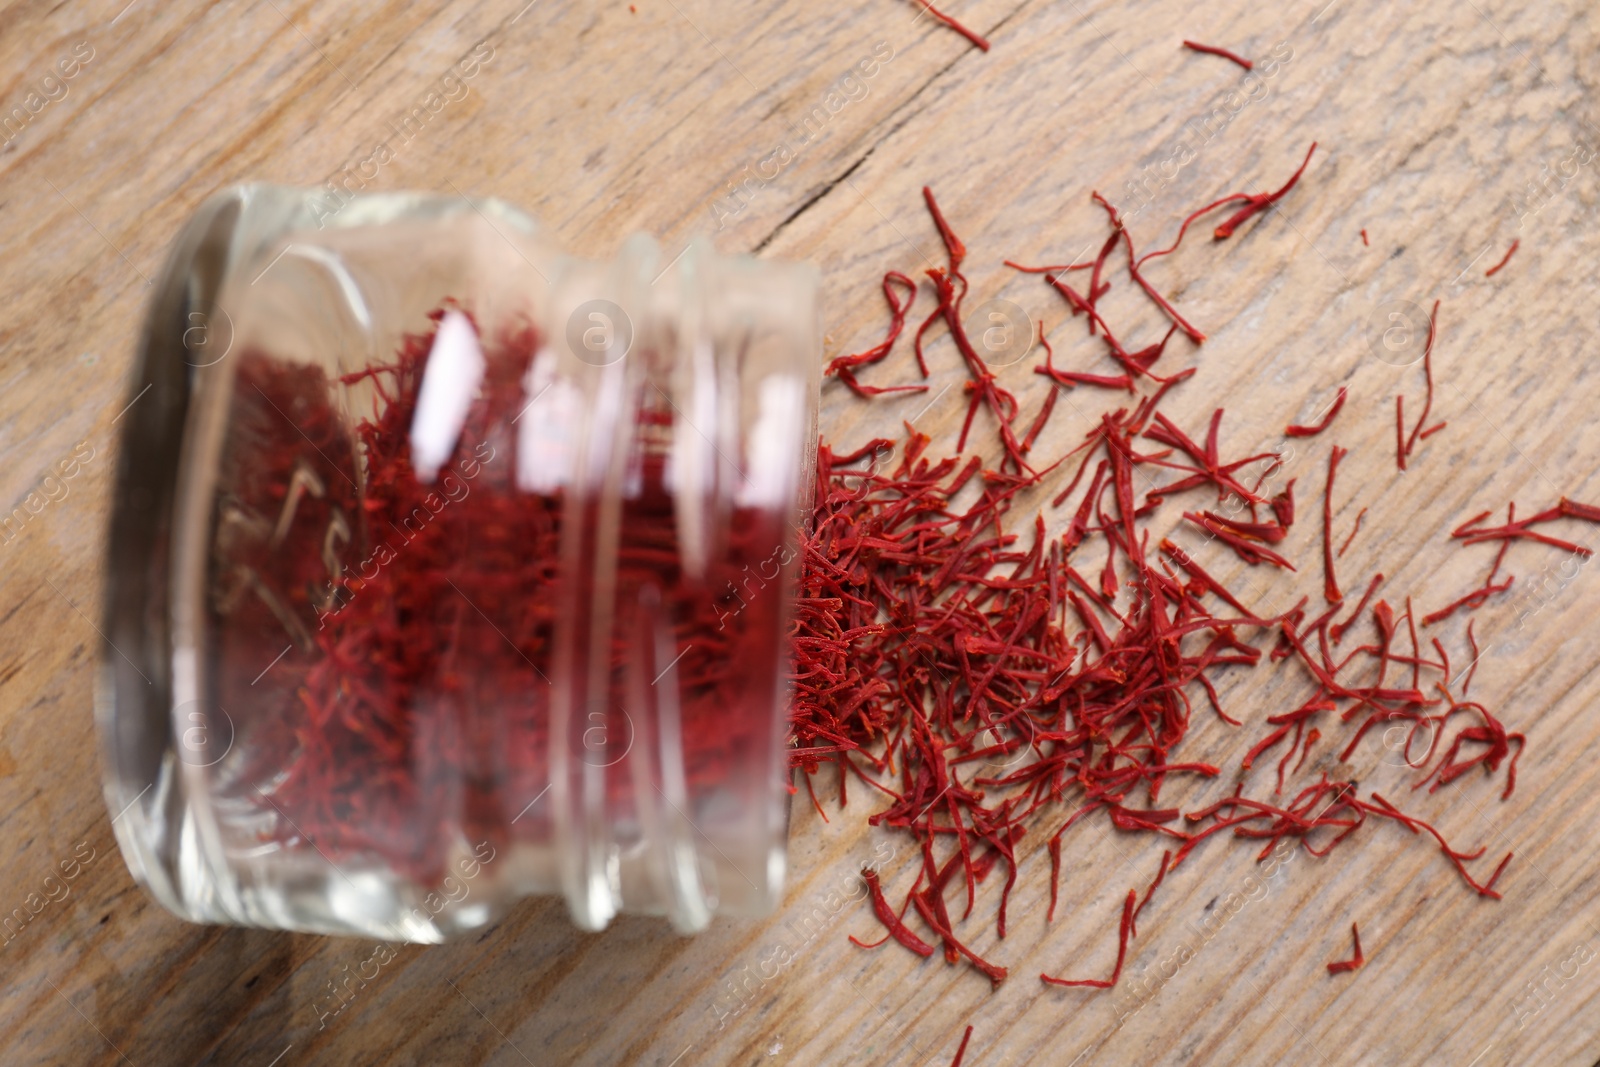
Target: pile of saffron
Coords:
[[959, 663]]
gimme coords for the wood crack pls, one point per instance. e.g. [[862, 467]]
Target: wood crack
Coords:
[[892, 127]]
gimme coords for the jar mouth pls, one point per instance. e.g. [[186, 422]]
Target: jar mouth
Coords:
[[641, 833]]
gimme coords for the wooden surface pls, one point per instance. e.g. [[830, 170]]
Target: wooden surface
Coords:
[[1433, 118]]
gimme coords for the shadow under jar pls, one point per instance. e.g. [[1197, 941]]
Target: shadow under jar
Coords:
[[446, 568]]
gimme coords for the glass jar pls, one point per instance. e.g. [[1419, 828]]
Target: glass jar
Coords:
[[446, 568]]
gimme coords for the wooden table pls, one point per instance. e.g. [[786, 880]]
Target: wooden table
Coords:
[[1432, 119]]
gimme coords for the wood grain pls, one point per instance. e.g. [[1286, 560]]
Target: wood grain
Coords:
[[1432, 120]]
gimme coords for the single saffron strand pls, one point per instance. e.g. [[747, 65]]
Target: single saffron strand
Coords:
[[1312, 737], [843, 367], [1472, 643], [1133, 920], [1337, 630], [1400, 431], [1330, 583], [1492, 271], [1364, 239], [891, 922], [1357, 529], [1254, 203], [1122, 951], [1261, 201], [954, 25], [1357, 960], [1322, 424], [962, 1051], [929, 903], [1472, 601], [1048, 269], [1213, 50], [1500, 556], [1427, 370], [1431, 430], [953, 244], [1049, 401], [1135, 261], [1038, 423]]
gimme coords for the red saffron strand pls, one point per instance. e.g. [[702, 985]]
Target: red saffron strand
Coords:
[[1161, 875], [1072, 378], [1038, 423], [843, 367], [1135, 262], [891, 922], [928, 904], [1492, 271], [1354, 962], [1321, 424], [1353, 531], [1312, 735], [962, 1051], [1364, 238], [1261, 201], [1124, 931], [951, 287], [1052, 269], [1472, 643], [1427, 370], [953, 245], [954, 25], [1338, 629], [1330, 584], [1400, 431], [1212, 50], [1472, 601]]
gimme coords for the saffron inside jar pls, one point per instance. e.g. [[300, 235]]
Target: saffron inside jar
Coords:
[[390, 650]]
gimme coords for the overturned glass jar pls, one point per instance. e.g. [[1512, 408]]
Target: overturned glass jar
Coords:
[[446, 568]]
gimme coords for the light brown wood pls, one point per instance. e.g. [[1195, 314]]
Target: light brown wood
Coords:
[[1432, 120]]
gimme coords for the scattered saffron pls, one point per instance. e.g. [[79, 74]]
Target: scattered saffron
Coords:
[[987, 686]]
